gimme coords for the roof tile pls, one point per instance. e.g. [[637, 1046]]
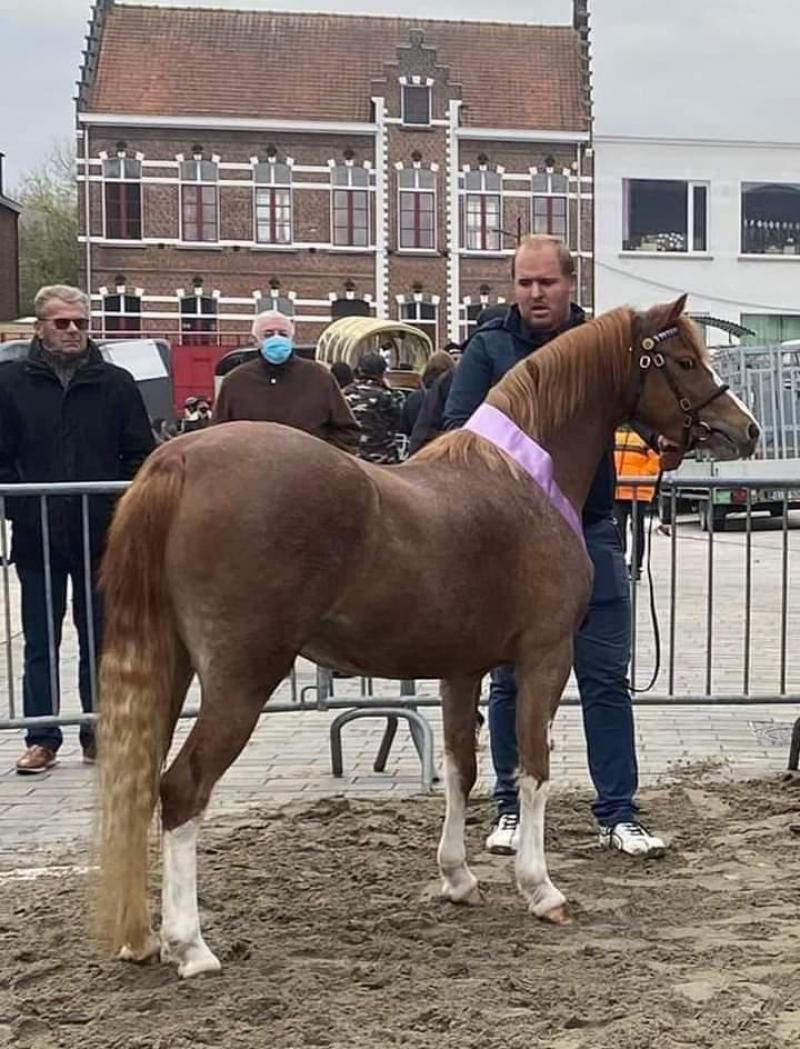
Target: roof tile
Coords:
[[193, 61]]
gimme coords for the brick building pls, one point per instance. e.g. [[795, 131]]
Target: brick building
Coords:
[[9, 254], [329, 164]]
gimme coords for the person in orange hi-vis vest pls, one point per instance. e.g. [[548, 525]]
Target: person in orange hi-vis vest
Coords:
[[633, 457]]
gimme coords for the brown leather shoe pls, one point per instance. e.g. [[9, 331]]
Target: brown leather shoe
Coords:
[[36, 759], [90, 753]]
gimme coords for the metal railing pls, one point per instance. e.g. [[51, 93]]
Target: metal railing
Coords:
[[711, 622], [725, 604], [767, 378]]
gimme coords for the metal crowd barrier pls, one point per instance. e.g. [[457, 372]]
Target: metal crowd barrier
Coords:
[[714, 652]]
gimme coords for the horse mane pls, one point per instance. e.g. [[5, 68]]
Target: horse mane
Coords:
[[544, 390]]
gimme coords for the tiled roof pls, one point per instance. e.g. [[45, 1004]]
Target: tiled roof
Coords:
[[206, 62]]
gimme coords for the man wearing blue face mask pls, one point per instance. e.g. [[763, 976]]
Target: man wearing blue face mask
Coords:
[[280, 387]]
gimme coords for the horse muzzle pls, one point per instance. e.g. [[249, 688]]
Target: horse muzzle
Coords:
[[723, 442]]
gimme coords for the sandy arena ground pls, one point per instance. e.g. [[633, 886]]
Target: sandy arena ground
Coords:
[[327, 920]]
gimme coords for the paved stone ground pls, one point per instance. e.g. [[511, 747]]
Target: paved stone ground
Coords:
[[288, 755]]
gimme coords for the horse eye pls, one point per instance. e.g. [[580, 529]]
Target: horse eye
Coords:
[[686, 363]]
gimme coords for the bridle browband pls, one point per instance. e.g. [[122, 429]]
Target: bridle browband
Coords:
[[649, 359]]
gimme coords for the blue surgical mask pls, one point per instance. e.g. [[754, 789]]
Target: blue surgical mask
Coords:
[[277, 349]]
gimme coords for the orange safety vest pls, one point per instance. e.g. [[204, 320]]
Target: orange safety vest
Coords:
[[633, 457]]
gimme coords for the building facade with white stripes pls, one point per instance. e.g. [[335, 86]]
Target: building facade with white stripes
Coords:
[[383, 166]]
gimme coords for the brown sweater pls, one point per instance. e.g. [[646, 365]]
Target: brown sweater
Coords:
[[300, 393]]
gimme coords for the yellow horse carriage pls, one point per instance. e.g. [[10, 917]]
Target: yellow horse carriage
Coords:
[[407, 349]]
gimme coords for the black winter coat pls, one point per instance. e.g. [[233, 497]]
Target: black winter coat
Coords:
[[95, 429], [430, 420]]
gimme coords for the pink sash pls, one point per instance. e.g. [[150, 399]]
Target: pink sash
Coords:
[[496, 427]]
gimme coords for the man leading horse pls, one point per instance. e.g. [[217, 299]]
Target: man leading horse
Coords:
[[543, 273]]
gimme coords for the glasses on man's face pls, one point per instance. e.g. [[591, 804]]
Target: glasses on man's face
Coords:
[[63, 323]]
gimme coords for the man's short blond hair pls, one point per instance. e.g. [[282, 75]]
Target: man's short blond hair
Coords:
[[537, 241], [62, 292]]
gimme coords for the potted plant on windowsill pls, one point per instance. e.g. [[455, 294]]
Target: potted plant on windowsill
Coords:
[[672, 242]]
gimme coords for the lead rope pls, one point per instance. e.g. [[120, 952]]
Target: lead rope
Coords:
[[653, 609]]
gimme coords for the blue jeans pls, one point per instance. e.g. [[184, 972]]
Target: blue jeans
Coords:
[[601, 657], [38, 700]]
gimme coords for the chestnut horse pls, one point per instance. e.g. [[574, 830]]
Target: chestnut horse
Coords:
[[239, 548]]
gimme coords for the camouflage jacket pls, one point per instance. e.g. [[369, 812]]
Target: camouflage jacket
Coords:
[[377, 410]]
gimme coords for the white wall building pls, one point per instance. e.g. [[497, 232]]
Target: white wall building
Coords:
[[717, 219]]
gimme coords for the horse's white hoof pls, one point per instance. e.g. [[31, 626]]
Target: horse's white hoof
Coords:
[[199, 961], [548, 903], [467, 894], [191, 959]]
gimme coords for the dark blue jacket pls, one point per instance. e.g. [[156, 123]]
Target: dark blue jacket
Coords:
[[492, 351]]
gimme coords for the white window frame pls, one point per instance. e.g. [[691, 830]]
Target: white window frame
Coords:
[[483, 192], [417, 189], [466, 305], [122, 178], [427, 87], [691, 185], [271, 302], [423, 324], [198, 182], [550, 193], [198, 296], [273, 185], [106, 313], [350, 188]]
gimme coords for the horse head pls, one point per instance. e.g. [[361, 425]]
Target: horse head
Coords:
[[677, 392]]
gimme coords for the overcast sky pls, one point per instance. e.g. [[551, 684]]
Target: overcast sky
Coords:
[[686, 68]]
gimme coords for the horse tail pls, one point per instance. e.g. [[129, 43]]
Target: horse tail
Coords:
[[137, 684]]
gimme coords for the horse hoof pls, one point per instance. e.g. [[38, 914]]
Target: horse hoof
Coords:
[[200, 963], [149, 952], [559, 915], [191, 959], [473, 897]]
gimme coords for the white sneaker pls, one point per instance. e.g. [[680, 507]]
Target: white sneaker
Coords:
[[504, 838], [632, 839]]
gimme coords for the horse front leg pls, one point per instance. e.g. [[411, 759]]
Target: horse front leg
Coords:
[[540, 682], [459, 707]]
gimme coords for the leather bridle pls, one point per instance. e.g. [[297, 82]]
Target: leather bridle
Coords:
[[648, 359]]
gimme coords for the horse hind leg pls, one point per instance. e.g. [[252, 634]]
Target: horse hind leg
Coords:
[[231, 705], [183, 673], [459, 706], [540, 685]]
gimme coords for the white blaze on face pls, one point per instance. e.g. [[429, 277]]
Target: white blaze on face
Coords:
[[729, 393]]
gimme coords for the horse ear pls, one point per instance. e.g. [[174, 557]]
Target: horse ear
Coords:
[[676, 309]]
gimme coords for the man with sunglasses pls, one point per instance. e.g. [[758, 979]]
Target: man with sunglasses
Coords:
[[65, 415]]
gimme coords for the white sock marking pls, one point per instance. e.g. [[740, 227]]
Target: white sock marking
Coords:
[[457, 879], [532, 877], [180, 920]]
